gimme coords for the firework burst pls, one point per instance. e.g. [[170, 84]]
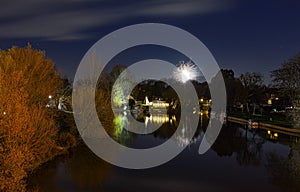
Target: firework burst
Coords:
[[185, 72]]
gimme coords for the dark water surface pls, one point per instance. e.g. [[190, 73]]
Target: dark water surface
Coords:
[[240, 160]]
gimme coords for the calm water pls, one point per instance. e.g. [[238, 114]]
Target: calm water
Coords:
[[239, 160]]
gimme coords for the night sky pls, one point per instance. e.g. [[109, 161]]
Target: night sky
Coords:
[[243, 35]]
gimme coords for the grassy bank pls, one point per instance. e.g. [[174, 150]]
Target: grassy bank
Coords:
[[272, 118]]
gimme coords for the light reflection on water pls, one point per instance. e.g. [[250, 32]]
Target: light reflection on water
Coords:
[[239, 160]]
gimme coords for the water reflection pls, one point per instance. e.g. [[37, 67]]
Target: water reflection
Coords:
[[285, 170], [159, 119], [165, 126], [255, 160], [81, 170], [246, 146]]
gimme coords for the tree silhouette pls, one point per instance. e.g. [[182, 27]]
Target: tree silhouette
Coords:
[[253, 88], [287, 80]]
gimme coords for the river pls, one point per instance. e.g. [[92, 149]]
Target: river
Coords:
[[240, 160]]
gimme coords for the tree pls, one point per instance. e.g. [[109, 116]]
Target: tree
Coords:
[[251, 80], [27, 131], [253, 87], [234, 88], [287, 80], [122, 86]]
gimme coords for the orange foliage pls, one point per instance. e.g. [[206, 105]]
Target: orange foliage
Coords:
[[27, 131]]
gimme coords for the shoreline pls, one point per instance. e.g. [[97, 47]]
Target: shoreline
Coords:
[[266, 126]]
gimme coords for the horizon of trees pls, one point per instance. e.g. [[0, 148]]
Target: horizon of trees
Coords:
[[249, 88], [247, 92]]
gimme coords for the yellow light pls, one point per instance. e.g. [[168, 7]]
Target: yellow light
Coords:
[[173, 117], [159, 118], [201, 100], [269, 101], [275, 134], [160, 105], [269, 132]]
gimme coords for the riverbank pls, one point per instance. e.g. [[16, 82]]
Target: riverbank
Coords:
[[278, 119], [267, 126], [60, 155]]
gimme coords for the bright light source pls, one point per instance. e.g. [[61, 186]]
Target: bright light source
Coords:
[[4, 113], [50, 96], [185, 72], [147, 101], [269, 101]]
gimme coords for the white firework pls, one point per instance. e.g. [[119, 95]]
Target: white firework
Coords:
[[185, 72]]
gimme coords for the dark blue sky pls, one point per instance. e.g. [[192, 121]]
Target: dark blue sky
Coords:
[[244, 35]]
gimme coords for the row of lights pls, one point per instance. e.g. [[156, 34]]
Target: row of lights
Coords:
[[202, 100], [163, 118], [275, 134], [160, 105]]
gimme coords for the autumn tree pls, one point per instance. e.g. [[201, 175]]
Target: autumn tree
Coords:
[[27, 130]]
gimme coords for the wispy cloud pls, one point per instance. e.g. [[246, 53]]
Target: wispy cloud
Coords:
[[69, 19], [187, 7], [55, 26]]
